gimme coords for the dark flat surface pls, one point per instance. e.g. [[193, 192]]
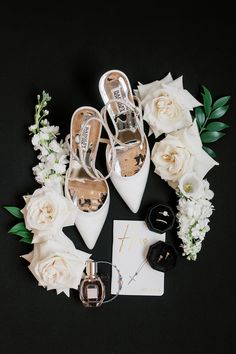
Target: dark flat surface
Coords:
[[65, 50]]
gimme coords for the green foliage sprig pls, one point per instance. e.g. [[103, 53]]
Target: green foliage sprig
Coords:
[[19, 229], [211, 130]]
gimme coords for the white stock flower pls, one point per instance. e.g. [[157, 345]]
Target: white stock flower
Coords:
[[41, 174], [35, 139], [52, 154], [44, 122], [181, 152], [33, 128], [63, 158], [193, 217], [43, 136], [54, 146], [57, 264], [59, 168], [43, 151], [166, 104], [55, 182], [50, 129], [209, 194], [46, 212]]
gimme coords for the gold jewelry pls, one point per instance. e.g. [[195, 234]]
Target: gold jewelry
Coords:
[[123, 238], [167, 255]]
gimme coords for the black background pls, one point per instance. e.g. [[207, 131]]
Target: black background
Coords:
[[64, 49]]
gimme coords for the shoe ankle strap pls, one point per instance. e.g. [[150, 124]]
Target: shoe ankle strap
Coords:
[[137, 110], [95, 174]]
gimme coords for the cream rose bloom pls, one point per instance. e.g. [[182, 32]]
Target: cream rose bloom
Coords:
[[46, 212], [57, 265], [181, 152], [167, 105]]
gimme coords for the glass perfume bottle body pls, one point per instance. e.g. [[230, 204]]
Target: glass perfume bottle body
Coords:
[[92, 289]]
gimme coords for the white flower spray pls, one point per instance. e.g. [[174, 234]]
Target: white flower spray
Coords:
[[194, 209], [51, 169]]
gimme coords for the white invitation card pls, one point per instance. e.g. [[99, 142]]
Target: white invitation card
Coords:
[[131, 241]]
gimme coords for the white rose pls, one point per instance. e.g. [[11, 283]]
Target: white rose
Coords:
[[57, 265], [171, 159], [46, 212], [166, 105], [181, 152]]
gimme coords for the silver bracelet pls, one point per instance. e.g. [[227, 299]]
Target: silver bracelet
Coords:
[[120, 280]]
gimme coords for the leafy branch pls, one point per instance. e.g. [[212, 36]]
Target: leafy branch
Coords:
[[211, 131], [19, 229]]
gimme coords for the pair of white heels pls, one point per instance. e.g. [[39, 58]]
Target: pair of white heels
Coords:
[[127, 155]]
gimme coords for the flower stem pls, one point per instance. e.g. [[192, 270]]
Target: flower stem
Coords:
[[203, 126], [42, 103]]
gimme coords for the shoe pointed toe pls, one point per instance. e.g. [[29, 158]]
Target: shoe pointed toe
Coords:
[[131, 189], [90, 224]]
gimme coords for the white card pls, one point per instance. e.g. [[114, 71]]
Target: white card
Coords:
[[131, 241]]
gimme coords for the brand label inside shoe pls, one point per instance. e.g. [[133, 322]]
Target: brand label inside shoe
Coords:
[[85, 138], [117, 94]]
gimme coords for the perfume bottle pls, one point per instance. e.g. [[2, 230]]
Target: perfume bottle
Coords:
[[92, 289]]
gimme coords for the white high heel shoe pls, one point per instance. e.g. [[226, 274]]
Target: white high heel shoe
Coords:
[[84, 184], [131, 166]]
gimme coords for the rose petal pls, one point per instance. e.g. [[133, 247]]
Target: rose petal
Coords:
[[146, 89], [28, 256], [177, 83], [71, 215], [67, 292]]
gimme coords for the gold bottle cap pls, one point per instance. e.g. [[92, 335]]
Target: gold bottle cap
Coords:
[[91, 268]]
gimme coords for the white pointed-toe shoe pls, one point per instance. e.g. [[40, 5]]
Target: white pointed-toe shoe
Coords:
[[130, 169], [84, 184]]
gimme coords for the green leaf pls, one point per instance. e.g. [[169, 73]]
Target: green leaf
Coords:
[[26, 240], [200, 116], [218, 112], [14, 211], [210, 137], [18, 227], [221, 102], [207, 100], [216, 126], [209, 151], [24, 234]]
